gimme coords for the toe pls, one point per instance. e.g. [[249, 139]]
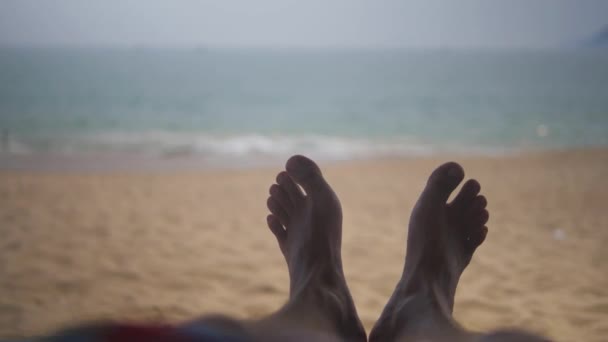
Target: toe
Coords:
[[442, 182], [281, 196], [476, 211], [476, 237], [480, 218], [482, 235], [277, 229], [277, 210], [306, 173], [478, 204], [469, 190], [292, 190], [475, 208]]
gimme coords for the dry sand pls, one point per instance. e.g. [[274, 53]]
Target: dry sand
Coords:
[[174, 245]]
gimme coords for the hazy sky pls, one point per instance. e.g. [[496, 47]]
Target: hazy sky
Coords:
[[416, 23]]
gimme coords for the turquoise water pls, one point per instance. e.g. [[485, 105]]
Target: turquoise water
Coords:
[[335, 104]]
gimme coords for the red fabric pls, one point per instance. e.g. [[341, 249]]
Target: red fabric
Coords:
[[144, 333]]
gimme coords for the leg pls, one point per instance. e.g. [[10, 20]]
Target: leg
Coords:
[[441, 240], [308, 228]]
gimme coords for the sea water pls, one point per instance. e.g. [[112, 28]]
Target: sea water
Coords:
[[238, 105]]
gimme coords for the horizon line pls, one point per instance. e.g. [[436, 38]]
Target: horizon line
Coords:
[[202, 46]]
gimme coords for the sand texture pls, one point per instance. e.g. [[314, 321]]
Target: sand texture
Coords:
[[171, 246]]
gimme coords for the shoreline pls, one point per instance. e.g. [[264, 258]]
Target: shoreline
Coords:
[[133, 163]]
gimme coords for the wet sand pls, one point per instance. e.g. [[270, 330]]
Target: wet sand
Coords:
[[173, 245]]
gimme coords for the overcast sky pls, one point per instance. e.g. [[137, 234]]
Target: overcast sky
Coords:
[[416, 23]]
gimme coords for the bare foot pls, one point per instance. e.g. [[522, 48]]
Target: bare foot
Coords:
[[308, 228], [441, 240]]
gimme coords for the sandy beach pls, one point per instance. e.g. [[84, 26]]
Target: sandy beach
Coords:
[[174, 245]]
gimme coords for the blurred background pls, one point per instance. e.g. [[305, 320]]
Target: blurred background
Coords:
[[97, 96], [244, 82]]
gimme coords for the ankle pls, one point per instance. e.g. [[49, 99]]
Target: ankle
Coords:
[[437, 283], [414, 315], [422, 299]]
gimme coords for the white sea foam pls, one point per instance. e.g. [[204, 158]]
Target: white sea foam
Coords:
[[243, 149], [253, 145]]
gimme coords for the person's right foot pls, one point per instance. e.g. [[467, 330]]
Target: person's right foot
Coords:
[[441, 240], [308, 228]]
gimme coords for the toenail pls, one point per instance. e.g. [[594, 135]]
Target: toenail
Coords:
[[300, 168], [454, 173]]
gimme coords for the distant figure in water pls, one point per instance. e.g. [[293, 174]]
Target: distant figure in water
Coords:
[[442, 238]]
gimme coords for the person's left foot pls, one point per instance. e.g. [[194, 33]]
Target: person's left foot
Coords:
[[442, 238], [308, 228]]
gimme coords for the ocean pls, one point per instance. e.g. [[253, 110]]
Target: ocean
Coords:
[[240, 106]]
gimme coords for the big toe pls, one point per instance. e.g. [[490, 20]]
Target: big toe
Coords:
[[442, 183], [306, 173]]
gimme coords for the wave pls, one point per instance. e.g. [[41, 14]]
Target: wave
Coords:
[[243, 148]]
